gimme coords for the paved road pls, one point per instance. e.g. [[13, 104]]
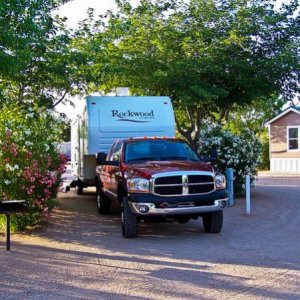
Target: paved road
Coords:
[[81, 255]]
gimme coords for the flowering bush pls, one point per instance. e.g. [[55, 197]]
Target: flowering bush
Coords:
[[30, 166], [241, 152]]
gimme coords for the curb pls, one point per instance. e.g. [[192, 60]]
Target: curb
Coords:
[[276, 174]]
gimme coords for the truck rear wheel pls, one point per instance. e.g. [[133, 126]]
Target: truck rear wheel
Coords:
[[103, 203], [183, 219], [79, 190], [128, 220], [213, 222]]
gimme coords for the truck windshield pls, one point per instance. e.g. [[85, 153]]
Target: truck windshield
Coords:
[[159, 150]]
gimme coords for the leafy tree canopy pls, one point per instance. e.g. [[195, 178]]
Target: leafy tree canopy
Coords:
[[209, 56], [36, 61]]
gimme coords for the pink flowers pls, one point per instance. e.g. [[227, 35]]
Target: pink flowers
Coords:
[[36, 175], [30, 190], [41, 182], [13, 150], [30, 165]]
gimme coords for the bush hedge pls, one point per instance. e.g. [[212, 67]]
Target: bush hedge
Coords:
[[242, 152], [30, 165]]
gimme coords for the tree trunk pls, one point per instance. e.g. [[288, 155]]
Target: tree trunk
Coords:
[[192, 131]]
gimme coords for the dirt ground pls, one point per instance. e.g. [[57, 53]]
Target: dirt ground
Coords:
[[78, 254]]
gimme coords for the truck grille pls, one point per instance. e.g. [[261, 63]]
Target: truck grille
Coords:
[[194, 183]]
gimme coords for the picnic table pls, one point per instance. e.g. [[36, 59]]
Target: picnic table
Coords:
[[8, 207]]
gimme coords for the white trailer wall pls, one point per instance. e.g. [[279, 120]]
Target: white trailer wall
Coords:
[[111, 118], [106, 119]]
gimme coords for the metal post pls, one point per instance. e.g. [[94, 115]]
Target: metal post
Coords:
[[8, 232], [229, 187], [248, 204]]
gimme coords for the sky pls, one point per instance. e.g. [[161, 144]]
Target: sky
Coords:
[[75, 10]]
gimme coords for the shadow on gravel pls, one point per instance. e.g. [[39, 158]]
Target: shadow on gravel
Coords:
[[49, 261], [222, 283], [269, 237], [83, 253]]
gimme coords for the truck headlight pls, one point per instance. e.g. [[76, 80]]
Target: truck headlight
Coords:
[[220, 181], [138, 185]]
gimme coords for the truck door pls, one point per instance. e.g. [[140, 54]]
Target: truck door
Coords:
[[111, 173]]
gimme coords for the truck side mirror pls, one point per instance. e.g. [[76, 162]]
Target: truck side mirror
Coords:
[[100, 158]]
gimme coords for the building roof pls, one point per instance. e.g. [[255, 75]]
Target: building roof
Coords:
[[286, 111]]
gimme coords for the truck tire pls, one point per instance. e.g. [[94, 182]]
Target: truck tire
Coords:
[[183, 219], [128, 220], [79, 190], [103, 203], [213, 222]]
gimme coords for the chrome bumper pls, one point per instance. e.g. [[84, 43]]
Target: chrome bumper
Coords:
[[150, 209]]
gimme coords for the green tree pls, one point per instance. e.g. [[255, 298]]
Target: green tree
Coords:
[[36, 60], [209, 56], [254, 117]]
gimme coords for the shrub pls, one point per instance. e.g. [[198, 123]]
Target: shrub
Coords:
[[30, 166], [242, 152], [265, 163]]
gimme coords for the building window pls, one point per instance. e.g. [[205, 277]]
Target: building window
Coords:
[[293, 138]]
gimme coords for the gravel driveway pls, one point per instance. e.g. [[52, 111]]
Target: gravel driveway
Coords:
[[79, 254]]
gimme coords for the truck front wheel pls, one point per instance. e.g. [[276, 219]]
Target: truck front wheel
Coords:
[[128, 220], [213, 222]]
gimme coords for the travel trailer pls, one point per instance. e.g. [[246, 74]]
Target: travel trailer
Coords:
[[108, 118]]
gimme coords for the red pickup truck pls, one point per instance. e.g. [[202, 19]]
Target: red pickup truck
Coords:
[[159, 179]]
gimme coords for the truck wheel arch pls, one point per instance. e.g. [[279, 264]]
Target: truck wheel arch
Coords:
[[97, 181]]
